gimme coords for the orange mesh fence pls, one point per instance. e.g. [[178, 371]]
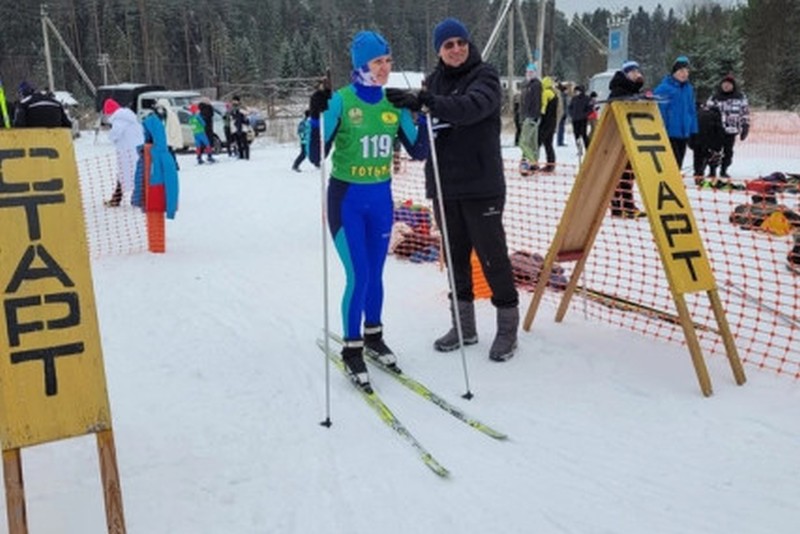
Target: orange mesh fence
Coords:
[[109, 230], [624, 284]]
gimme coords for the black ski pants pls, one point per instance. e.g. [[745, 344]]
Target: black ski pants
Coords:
[[478, 223]]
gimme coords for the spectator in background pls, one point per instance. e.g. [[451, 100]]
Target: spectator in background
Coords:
[[626, 82], [548, 124], [239, 126], [706, 145], [531, 114], [127, 135], [677, 105], [464, 98], [579, 108], [735, 112], [302, 135], [207, 112], [563, 105], [591, 119], [39, 109], [202, 144], [226, 127]]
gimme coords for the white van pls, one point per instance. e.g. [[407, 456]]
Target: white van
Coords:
[[145, 102]]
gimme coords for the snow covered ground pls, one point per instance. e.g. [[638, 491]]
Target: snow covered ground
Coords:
[[217, 390]]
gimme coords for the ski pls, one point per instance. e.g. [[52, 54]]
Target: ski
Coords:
[[423, 391], [386, 415]]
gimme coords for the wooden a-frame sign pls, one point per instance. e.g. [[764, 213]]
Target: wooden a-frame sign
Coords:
[[52, 378], [633, 132]]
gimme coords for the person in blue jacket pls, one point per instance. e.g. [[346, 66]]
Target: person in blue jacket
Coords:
[[362, 124], [678, 107]]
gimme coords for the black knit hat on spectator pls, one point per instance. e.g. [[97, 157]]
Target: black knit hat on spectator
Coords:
[[447, 29]]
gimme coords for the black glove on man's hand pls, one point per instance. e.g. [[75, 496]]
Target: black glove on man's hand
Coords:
[[319, 102], [745, 131], [403, 98]]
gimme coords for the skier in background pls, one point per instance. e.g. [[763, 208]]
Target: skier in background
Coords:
[[677, 106], [531, 114]]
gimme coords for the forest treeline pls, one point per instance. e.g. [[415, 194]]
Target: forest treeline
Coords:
[[220, 43]]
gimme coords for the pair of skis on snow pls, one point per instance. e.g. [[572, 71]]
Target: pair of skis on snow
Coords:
[[390, 419]]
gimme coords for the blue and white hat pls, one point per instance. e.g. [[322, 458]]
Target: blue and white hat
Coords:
[[629, 66]]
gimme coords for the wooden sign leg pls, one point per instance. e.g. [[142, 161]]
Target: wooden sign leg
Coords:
[[112, 491], [694, 345], [727, 337], [15, 492], [541, 286]]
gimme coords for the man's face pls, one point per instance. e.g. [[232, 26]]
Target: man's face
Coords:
[[454, 51], [727, 86], [682, 74]]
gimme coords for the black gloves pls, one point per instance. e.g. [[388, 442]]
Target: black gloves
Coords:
[[319, 102], [745, 131], [403, 98]]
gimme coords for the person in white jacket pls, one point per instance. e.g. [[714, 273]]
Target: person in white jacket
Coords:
[[127, 135]]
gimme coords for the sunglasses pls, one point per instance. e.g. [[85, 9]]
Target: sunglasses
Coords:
[[447, 45]]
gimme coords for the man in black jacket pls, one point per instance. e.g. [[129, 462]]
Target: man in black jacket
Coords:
[[39, 109], [463, 96]]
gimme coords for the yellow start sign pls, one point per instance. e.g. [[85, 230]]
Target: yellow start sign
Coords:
[[52, 380], [659, 179]]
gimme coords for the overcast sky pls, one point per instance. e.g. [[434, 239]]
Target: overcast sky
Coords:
[[569, 7]]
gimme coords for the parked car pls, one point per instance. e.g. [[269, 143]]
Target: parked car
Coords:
[[257, 122], [69, 103]]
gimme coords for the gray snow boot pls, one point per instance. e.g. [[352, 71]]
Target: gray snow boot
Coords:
[[505, 342], [449, 341]]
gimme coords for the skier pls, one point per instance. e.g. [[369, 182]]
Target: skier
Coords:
[[362, 124]]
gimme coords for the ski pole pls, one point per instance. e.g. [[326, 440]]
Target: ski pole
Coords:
[[791, 321], [324, 211], [447, 255]]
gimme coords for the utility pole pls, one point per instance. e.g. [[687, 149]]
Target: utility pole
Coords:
[[540, 20], [47, 58]]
